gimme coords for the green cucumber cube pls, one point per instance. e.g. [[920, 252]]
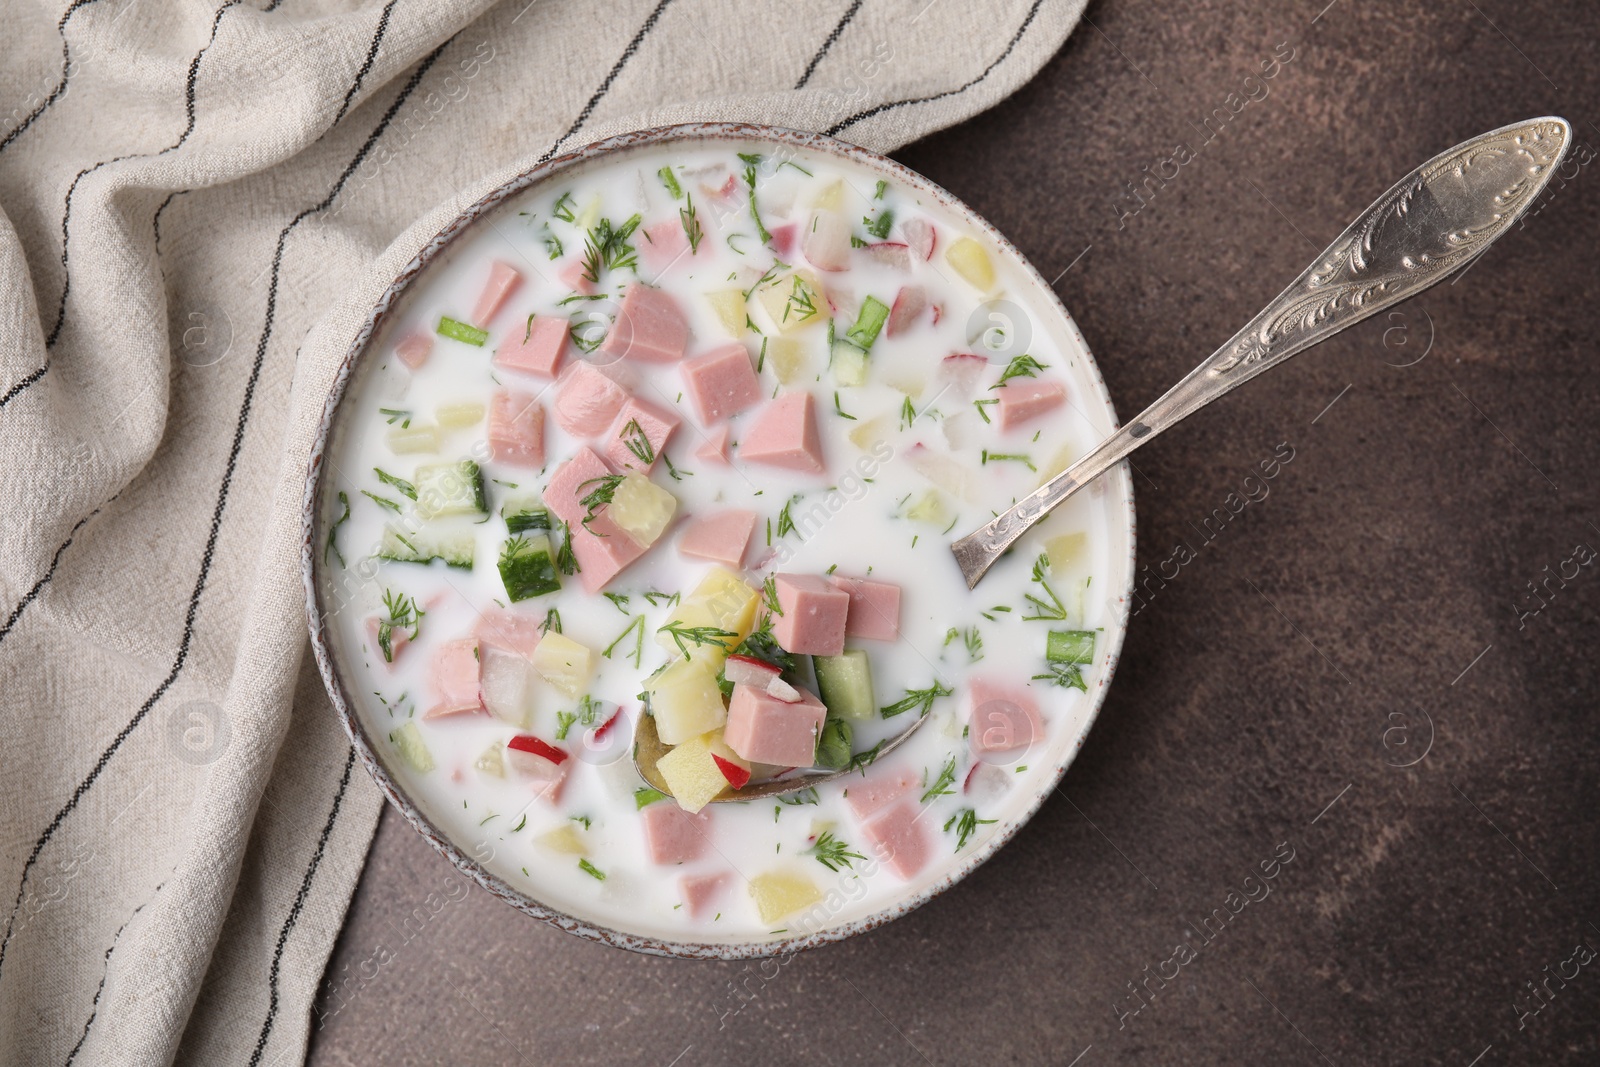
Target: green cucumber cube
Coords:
[[450, 489], [845, 684], [869, 321], [525, 513], [833, 744], [848, 364], [425, 546], [408, 739], [528, 567]]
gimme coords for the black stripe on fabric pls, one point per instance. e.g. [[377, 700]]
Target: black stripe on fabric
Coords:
[[216, 516], [372, 56], [66, 215], [811, 67], [833, 131], [605, 86], [94, 1005], [294, 912], [61, 86], [155, 223], [38, 587], [23, 384]]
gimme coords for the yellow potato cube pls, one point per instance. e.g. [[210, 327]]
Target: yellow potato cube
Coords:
[[691, 774], [455, 416], [564, 839], [563, 663], [930, 508], [729, 306], [786, 358], [971, 261], [418, 437], [780, 893], [408, 739], [793, 300], [642, 508], [685, 700], [830, 197], [722, 601], [1056, 464], [870, 433], [491, 762], [588, 216], [1065, 550]]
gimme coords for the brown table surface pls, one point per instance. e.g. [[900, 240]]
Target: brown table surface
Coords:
[[1376, 588]]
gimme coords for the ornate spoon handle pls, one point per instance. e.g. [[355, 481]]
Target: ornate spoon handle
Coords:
[[1433, 221]]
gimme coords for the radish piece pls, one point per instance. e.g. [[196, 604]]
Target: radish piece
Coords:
[[783, 239], [533, 746], [605, 727], [827, 241], [783, 691], [505, 683], [921, 236], [938, 313], [909, 303], [747, 670], [737, 776], [962, 370], [891, 254]]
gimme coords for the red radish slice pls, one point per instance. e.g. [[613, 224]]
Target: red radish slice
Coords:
[[891, 254], [747, 670], [963, 370], [920, 235], [827, 241], [601, 730], [737, 776], [938, 313], [966, 783], [529, 743], [782, 240], [783, 691], [909, 303]]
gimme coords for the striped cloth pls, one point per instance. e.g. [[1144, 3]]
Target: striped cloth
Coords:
[[199, 202]]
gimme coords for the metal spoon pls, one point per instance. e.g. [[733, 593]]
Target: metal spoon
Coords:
[[1434, 221], [647, 749]]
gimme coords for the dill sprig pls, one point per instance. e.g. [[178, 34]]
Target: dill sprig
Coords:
[[591, 870], [382, 501], [691, 224], [564, 721], [1001, 457], [563, 209], [769, 595], [966, 822], [941, 785], [606, 247], [750, 181], [1066, 675], [670, 180], [638, 442], [566, 561], [917, 698], [636, 623], [404, 487], [605, 487], [699, 635], [785, 519], [802, 301], [1055, 611], [404, 614], [1023, 366], [833, 853], [552, 621]]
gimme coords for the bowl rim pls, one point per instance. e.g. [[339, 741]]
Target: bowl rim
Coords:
[[312, 563]]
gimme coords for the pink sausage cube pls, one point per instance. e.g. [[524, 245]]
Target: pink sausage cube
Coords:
[[622, 439], [763, 729], [504, 279], [563, 496], [721, 537], [572, 276], [663, 245], [898, 840], [1003, 717], [587, 400], [715, 447], [602, 550], [673, 835], [414, 349], [510, 630], [455, 678], [398, 640], [1025, 399], [814, 614], [535, 349], [784, 434], [874, 608], [880, 789], [702, 891], [516, 429], [721, 383], [650, 326]]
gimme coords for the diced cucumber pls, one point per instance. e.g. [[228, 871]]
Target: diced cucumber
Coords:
[[1070, 646], [425, 546], [869, 321], [408, 740], [528, 567], [407, 440], [848, 364], [461, 331], [834, 743], [524, 513], [462, 413], [845, 684], [930, 508], [450, 489]]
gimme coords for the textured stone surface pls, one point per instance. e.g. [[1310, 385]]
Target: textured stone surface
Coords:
[[1256, 688]]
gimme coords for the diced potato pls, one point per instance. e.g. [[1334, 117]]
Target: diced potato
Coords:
[[1065, 550], [408, 740], [418, 437], [563, 662], [905, 382], [691, 774], [930, 508], [491, 762], [780, 893], [588, 216], [729, 306], [793, 300], [685, 700], [722, 600], [564, 839], [971, 261], [869, 433], [642, 508], [787, 358], [1055, 464], [456, 416], [830, 196], [847, 364], [943, 471]]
